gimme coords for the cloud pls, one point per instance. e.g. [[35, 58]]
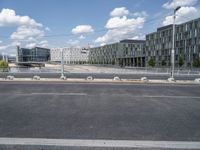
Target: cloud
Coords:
[[124, 22], [3, 47], [73, 43], [140, 14], [176, 3], [102, 44], [120, 28], [24, 32], [28, 32], [81, 37], [9, 18], [82, 29], [43, 43], [118, 12], [182, 15], [30, 45], [47, 29], [1, 42]]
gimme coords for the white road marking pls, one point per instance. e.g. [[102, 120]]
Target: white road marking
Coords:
[[115, 94], [74, 94], [36, 94], [167, 96], [100, 143]]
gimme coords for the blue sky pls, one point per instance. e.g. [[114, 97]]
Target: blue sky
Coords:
[[77, 23]]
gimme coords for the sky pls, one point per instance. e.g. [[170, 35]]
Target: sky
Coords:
[[83, 23]]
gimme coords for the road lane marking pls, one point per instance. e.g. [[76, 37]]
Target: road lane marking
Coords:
[[115, 94], [167, 96], [100, 143], [73, 94], [39, 94]]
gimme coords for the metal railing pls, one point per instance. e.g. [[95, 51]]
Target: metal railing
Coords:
[[99, 70]]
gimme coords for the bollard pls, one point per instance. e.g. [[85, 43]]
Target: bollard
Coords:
[[89, 78], [63, 77], [144, 79], [10, 77], [116, 78], [36, 78], [197, 80], [171, 80]]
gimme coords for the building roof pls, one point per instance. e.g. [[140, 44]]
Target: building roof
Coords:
[[132, 41]]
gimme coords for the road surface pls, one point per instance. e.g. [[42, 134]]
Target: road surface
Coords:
[[99, 111]]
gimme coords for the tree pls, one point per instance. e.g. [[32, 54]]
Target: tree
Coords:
[[196, 62], [163, 63], [180, 61], [3, 66], [152, 62]]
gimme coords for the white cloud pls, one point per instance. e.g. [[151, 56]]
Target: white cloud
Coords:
[[102, 44], [124, 22], [31, 45], [4, 47], [140, 14], [16, 43], [82, 29], [9, 18], [1, 42], [28, 33], [73, 43], [43, 43], [176, 3], [118, 12], [81, 37], [182, 15], [24, 32], [47, 29], [121, 28]]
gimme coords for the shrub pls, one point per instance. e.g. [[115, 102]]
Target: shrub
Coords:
[[4, 66], [152, 62]]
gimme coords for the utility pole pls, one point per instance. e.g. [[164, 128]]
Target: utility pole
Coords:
[[173, 44]]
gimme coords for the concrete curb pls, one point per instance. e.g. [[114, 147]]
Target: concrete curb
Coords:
[[78, 80]]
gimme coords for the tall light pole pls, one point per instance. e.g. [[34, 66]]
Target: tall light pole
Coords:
[[173, 43], [62, 65]]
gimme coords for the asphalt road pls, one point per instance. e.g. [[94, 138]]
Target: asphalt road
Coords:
[[100, 75], [163, 112]]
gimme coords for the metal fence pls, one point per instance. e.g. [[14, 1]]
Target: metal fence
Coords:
[[102, 70]]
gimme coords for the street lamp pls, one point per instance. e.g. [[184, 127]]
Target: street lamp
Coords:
[[173, 43], [62, 66]]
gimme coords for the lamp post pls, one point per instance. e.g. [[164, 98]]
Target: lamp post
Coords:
[[173, 43], [62, 65]]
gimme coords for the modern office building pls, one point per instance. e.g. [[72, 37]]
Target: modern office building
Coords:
[[123, 53], [187, 44], [36, 54], [158, 46], [70, 55]]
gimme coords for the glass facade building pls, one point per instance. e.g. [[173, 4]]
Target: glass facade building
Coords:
[[123, 53], [158, 46], [36, 54], [187, 44]]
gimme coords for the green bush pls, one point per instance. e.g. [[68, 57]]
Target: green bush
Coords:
[[196, 62], [180, 61], [152, 62], [4, 66], [163, 63]]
